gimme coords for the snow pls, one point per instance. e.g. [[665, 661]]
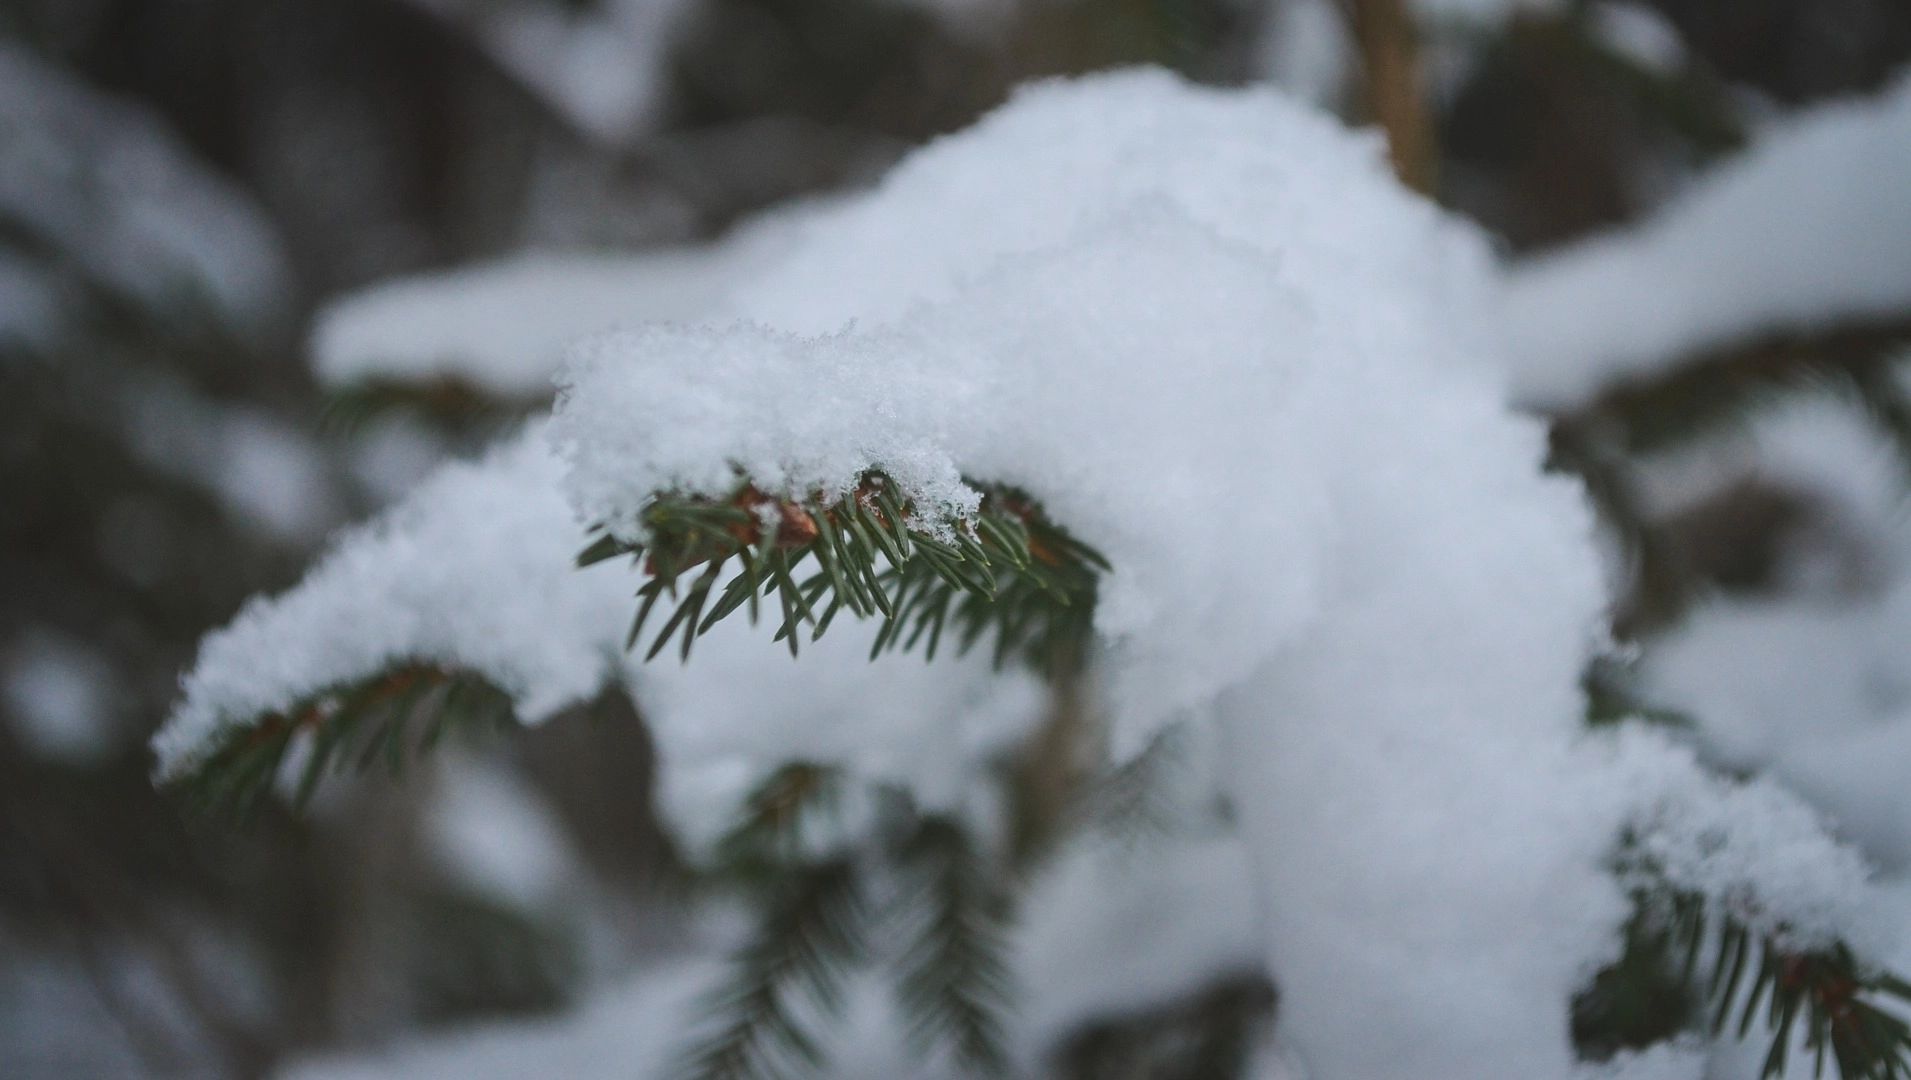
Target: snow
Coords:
[[623, 1033], [602, 66], [1803, 231], [474, 571], [269, 474], [1480, 12], [1183, 909], [1212, 336], [1815, 693], [733, 715], [107, 187], [495, 835], [1638, 33], [1753, 848], [502, 326], [1059, 948], [1130, 248], [1807, 684], [1817, 446], [60, 695], [1306, 50], [952, 211]]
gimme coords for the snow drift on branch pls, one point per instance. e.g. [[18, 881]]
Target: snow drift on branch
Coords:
[[503, 326], [104, 186], [1210, 334], [1807, 229]]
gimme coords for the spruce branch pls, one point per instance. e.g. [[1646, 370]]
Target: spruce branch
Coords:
[[810, 932], [1208, 1035], [1129, 800], [398, 714], [1822, 998], [811, 928], [766, 837], [1007, 572], [445, 402], [954, 981]]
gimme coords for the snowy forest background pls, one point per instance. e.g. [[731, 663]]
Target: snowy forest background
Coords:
[[265, 264]]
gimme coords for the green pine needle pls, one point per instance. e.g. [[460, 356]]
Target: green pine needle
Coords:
[[446, 402], [954, 982], [393, 717], [1008, 574], [811, 930], [809, 934], [1823, 999]]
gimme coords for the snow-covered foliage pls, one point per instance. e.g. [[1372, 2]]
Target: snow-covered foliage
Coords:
[[1207, 332], [473, 571], [503, 326], [1811, 689], [1073, 911], [1804, 230], [105, 188]]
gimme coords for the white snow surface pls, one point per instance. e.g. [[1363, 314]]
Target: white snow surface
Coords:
[[473, 571], [1805, 230], [1213, 337], [1059, 298], [1815, 692], [1154, 306], [503, 326]]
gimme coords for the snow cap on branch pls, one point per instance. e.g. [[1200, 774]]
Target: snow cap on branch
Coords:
[[1804, 231], [1181, 318]]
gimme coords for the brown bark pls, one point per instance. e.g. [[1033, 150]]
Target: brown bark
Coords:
[[1389, 53]]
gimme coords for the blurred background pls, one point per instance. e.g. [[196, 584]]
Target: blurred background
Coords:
[[264, 262]]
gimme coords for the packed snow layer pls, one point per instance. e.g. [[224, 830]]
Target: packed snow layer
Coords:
[[1214, 338], [474, 571], [1038, 172], [503, 326], [1803, 231], [1211, 335]]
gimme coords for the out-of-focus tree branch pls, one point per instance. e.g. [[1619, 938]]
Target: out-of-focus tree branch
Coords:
[[1390, 70]]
